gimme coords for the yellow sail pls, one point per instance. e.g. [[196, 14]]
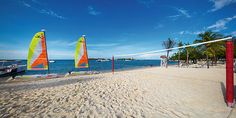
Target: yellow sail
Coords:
[[81, 56], [37, 54]]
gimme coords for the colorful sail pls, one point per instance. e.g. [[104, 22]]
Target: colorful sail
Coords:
[[81, 57], [37, 55]]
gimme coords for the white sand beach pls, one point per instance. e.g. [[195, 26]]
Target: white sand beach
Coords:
[[150, 92]]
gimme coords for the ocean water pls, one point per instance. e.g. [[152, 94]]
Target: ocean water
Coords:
[[64, 66]]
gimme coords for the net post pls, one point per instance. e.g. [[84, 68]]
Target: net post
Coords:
[[229, 73], [113, 65]]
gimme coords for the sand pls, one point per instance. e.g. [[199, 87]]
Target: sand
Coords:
[[151, 92]]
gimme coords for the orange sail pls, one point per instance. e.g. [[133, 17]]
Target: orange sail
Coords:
[[37, 55], [81, 57]]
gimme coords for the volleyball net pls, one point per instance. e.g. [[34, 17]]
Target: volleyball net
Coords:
[[175, 48]]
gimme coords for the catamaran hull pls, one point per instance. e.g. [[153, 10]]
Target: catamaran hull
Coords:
[[13, 73]]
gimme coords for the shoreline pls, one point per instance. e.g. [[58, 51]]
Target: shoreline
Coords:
[[96, 66], [37, 77]]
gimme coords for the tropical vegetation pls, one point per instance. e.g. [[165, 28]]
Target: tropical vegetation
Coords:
[[207, 52]]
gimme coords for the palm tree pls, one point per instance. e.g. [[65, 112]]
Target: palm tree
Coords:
[[179, 45], [208, 53], [169, 43], [187, 55], [211, 49], [217, 49]]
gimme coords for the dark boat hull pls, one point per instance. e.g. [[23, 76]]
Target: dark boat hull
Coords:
[[13, 73]]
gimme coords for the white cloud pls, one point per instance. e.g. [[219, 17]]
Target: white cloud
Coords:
[[61, 54], [92, 11], [43, 11], [36, 2], [138, 51], [159, 26], [103, 45], [219, 4], [190, 32], [198, 32], [181, 12], [13, 54], [233, 33], [51, 13], [72, 43], [184, 12], [220, 24], [174, 16], [147, 3], [151, 56], [182, 32], [22, 54], [4, 45], [26, 4], [61, 43], [65, 43]]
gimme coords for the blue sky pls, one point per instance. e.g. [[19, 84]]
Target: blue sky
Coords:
[[111, 27]]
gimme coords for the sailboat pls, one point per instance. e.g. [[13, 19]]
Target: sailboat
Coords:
[[81, 56], [37, 54]]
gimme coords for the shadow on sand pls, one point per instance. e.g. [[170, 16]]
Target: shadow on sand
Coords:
[[41, 84], [223, 90]]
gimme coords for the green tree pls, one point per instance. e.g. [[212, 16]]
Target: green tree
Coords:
[[167, 44], [211, 50]]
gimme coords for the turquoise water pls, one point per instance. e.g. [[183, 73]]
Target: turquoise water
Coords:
[[64, 66]]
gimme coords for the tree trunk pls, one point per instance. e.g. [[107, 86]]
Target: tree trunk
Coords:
[[215, 59], [167, 58], [187, 59], [179, 59], [207, 62], [212, 62], [194, 61]]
